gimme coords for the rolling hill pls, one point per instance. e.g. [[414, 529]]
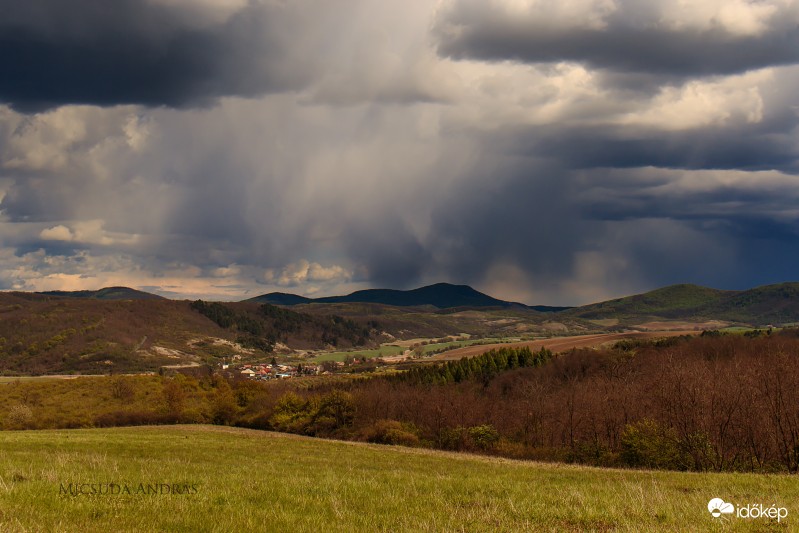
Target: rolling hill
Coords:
[[46, 334], [53, 334], [107, 293], [675, 301], [771, 304], [441, 295]]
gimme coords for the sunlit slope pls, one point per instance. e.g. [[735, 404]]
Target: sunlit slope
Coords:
[[254, 481], [771, 304]]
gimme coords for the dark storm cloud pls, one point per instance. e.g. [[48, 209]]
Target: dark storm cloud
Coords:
[[36, 199], [57, 52], [481, 30], [390, 253], [701, 148], [516, 211], [745, 211]]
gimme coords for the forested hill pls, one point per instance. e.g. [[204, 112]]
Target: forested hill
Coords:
[[107, 293], [440, 295], [771, 304]]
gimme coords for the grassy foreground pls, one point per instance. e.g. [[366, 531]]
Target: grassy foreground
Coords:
[[256, 481]]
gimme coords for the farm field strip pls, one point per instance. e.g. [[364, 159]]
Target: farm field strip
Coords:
[[559, 344]]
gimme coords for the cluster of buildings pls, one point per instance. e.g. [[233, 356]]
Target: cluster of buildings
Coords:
[[265, 372]]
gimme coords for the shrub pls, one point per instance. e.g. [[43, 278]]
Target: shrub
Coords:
[[646, 444], [592, 452], [291, 414], [484, 437], [122, 389], [19, 416], [225, 408], [195, 416], [452, 438], [392, 432], [337, 405]]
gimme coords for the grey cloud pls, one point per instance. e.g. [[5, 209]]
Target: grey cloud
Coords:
[[514, 210], [472, 29], [722, 255], [702, 148], [461, 188], [391, 255], [59, 52], [739, 211], [748, 205]]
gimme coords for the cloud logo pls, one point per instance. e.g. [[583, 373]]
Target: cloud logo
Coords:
[[718, 507]]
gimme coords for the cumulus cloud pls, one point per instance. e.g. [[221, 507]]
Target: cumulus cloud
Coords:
[[86, 232], [57, 233], [303, 272]]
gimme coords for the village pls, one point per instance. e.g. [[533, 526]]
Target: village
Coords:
[[273, 370]]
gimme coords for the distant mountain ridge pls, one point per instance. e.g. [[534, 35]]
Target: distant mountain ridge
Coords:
[[107, 293], [441, 295], [768, 304]]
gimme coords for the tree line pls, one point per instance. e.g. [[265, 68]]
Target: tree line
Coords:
[[483, 367]]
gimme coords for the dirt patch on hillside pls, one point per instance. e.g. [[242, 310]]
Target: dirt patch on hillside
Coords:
[[683, 325], [559, 344]]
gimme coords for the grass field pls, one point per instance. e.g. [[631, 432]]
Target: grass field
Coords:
[[341, 356], [388, 350], [255, 481]]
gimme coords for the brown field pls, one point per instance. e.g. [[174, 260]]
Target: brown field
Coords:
[[559, 344], [683, 325]]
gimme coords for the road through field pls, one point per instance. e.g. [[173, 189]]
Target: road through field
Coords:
[[558, 344]]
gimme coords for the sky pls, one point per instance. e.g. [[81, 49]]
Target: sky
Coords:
[[554, 152]]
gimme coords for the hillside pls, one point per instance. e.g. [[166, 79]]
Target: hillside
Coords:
[[675, 301], [772, 304], [429, 321], [41, 334], [44, 334], [264, 481], [440, 295]]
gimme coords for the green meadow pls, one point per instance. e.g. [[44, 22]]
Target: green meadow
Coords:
[[246, 480], [386, 350]]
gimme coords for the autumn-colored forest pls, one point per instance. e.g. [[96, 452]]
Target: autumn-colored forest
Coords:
[[712, 403]]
